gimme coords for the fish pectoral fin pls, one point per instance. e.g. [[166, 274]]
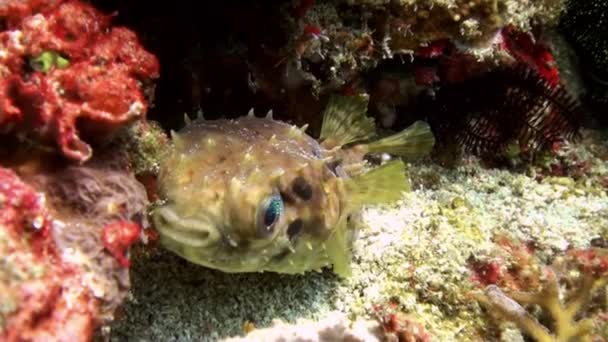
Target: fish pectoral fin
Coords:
[[338, 250], [383, 184], [413, 142], [345, 120]]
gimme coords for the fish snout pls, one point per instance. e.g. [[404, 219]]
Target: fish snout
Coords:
[[194, 231]]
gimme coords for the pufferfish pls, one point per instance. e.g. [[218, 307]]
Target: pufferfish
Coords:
[[256, 194]]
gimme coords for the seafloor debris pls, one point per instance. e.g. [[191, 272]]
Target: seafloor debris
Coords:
[[67, 76], [65, 239]]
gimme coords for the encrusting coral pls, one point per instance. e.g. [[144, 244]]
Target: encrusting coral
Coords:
[[67, 76], [66, 232]]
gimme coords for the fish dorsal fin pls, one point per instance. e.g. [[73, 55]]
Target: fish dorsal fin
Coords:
[[415, 141], [383, 184], [345, 120], [339, 251]]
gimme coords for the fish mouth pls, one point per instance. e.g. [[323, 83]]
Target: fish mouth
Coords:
[[202, 242], [196, 232]]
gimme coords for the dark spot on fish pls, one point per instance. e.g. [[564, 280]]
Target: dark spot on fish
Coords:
[[294, 229], [301, 188], [222, 159], [316, 227], [287, 197]]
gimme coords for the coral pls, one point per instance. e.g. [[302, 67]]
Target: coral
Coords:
[[407, 25], [591, 267], [68, 77], [70, 242], [327, 53], [117, 237], [43, 296], [512, 265], [102, 208]]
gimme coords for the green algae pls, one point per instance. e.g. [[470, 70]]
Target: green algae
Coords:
[[145, 143]]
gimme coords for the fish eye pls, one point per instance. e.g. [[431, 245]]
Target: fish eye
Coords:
[[268, 215]]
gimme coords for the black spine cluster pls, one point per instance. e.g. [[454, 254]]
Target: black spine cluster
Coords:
[[486, 114]]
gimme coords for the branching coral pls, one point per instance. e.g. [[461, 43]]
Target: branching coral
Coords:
[[66, 75], [593, 267]]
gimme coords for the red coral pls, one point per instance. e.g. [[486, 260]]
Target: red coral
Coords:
[[486, 273], [97, 94], [47, 297], [592, 261], [536, 55], [117, 237], [514, 267], [434, 49]]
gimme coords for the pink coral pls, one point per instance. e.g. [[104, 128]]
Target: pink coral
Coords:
[[96, 91]]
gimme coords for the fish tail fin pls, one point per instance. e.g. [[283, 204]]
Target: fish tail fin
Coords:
[[383, 184], [415, 141], [339, 251], [345, 120]]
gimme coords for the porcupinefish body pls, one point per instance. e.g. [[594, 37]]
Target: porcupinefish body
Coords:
[[256, 194]]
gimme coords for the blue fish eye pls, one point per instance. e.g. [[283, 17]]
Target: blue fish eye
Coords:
[[269, 214]]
